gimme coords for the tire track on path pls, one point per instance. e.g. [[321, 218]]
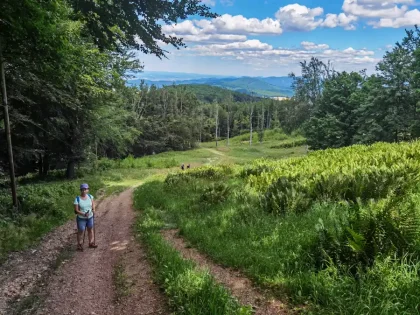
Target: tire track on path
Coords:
[[239, 285]]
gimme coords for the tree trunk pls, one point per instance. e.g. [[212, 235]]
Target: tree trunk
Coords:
[[262, 117], [228, 128], [40, 166], [70, 173], [250, 125], [217, 121], [7, 129], [46, 164]]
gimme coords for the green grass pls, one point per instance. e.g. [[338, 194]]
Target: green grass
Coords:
[[190, 290], [275, 145], [308, 255], [121, 282]]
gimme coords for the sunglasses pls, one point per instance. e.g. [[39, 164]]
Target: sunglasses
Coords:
[[84, 189]]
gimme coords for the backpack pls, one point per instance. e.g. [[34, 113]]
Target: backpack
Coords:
[[78, 201]]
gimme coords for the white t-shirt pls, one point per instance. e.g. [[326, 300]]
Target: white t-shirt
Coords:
[[85, 205]]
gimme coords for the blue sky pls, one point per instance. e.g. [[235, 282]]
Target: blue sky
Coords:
[[271, 37]]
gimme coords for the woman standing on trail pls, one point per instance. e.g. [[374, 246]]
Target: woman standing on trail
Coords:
[[84, 207]]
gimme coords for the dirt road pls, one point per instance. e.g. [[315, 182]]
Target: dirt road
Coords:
[[84, 284]]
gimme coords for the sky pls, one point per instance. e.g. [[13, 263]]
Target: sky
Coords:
[[271, 37]]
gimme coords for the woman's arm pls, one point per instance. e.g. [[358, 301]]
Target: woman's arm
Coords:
[[76, 209]]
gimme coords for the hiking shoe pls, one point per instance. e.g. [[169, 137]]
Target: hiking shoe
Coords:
[[80, 247], [93, 245]]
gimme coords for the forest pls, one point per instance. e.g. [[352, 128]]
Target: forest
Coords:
[[69, 101]]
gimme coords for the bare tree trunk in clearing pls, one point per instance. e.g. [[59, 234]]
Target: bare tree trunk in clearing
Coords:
[[217, 120], [250, 123], [7, 129], [228, 120]]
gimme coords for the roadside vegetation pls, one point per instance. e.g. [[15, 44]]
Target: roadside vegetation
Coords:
[[337, 229], [190, 290]]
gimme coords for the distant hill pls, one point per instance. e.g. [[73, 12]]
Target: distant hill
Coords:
[[258, 86], [209, 93]]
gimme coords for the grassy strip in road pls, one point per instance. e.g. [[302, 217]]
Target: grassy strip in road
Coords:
[[121, 282]]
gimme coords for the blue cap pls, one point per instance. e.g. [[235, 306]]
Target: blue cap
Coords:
[[84, 186]]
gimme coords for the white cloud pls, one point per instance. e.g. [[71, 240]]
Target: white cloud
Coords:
[[296, 17], [409, 18], [384, 13], [240, 25], [249, 45], [342, 20], [225, 27], [313, 46], [255, 52], [186, 27], [212, 38], [376, 8], [293, 17]]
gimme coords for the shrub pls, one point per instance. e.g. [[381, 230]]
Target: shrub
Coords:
[[215, 193]]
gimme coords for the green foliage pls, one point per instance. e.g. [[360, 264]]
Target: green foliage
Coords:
[[349, 108], [117, 27], [347, 241], [66, 64], [332, 124], [215, 193], [138, 163], [190, 290], [209, 94], [356, 164], [43, 206], [291, 143], [207, 172]]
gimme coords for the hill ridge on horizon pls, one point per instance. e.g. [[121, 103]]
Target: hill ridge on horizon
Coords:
[[270, 86]]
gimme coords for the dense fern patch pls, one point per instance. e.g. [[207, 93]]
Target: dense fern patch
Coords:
[[338, 229]]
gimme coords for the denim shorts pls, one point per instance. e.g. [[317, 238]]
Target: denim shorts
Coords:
[[83, 223]]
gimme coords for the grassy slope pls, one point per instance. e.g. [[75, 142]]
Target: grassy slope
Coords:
[[240, 152], [222, 216]]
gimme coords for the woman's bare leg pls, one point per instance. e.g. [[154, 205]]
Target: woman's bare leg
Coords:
[[90, 235]]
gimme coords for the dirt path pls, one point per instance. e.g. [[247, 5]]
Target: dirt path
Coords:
[[23, 270], [84, 284], [239, 286], [215, 152]]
